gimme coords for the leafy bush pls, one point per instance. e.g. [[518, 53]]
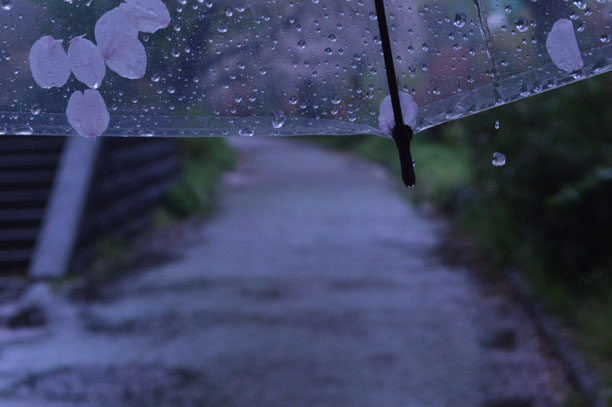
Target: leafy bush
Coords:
[[548, 211], [552, 203], [204, 161], [442, 169]]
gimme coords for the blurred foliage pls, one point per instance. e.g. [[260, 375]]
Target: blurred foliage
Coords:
[[441, 170], [204, 161], [548, 212], [550, 208]]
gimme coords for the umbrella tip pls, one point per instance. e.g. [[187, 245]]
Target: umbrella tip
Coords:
[[402, 135]]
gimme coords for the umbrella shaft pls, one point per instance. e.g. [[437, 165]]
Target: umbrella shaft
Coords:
[[389, 65], [402, 134]]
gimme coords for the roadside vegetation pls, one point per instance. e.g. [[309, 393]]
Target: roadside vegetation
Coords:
[[204, 161], [547, 213], [194, 196]]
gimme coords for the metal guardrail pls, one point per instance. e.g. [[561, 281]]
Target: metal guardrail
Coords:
[[27, 169], [130, 178], [59, 196]]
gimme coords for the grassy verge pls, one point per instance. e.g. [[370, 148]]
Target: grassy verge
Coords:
[[442, 169], [193, 196], [204, 162]]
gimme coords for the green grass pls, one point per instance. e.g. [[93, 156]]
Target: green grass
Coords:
[[108, 262], [204, 162], [589, 320], [441, 169]]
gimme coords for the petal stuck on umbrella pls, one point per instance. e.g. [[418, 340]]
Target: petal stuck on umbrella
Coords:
[[86, 62], [410, 109], [114, 26], [129, 60], [117, 35], [87, 113], [49, 63], [152, 15], [563, 48]]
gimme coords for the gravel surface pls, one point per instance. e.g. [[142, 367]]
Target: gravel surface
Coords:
[[316, 284]]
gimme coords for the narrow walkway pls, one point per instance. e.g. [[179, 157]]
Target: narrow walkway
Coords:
[[316, 284]]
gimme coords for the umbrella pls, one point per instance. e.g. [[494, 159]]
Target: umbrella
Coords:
[[195, 68]]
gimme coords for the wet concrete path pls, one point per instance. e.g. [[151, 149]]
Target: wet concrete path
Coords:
[[316, 284]]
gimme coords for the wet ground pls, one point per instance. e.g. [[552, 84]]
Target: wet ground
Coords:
[[316, 284]]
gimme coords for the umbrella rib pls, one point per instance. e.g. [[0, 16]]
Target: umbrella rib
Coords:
[[402, 133]]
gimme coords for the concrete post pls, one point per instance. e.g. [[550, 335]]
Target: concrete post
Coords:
[[65, 207]]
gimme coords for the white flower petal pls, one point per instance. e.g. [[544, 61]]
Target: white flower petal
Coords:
[[117, 36], [386, 120], [563, 48], [129, 60], [49, 63], [87, 113], [113, 29], [86, 62], [152, 15]]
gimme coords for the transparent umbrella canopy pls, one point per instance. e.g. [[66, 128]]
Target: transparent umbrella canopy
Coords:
[[200, 68]]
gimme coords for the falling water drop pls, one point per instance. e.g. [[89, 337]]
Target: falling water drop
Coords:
[[499, 160]]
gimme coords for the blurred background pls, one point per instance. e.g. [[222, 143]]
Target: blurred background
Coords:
[[214, 272], [545, 214]]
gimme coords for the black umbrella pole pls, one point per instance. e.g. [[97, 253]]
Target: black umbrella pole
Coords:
[[402, 133], [402, 137]]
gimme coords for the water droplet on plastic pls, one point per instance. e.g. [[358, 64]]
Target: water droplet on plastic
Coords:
[[460, 19], [246, 132], [22, 131], [278, 119], [581, 4], [522, 24]]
